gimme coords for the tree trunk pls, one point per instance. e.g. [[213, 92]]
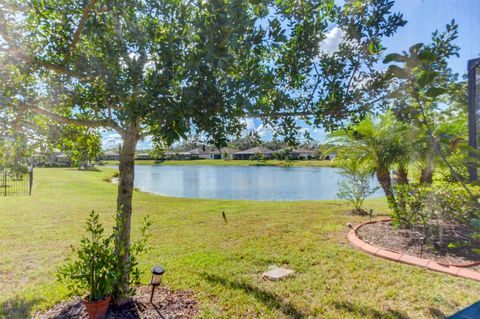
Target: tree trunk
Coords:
[[402, 174], [383, 176], [124, 206], [426, 176]]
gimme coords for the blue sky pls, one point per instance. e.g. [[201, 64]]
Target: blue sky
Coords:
[[424, 17]]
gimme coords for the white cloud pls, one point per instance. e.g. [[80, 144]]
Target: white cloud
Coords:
[[249, 124], [333, 39], [111, 140], [263, 131]]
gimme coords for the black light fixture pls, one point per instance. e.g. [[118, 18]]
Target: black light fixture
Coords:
[[157, 273], [421, 240]]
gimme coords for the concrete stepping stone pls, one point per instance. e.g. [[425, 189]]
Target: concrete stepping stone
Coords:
[[277, 274]]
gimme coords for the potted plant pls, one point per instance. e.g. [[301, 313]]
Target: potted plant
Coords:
[[91, 272]]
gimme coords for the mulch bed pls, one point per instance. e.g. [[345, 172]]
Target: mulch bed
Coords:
[[406, 241], [166, 304]]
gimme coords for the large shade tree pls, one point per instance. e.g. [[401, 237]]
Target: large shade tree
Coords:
[[82, 145], [15, 148], [167, 68]]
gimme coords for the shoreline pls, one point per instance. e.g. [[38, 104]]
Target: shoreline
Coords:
[[205, 162]]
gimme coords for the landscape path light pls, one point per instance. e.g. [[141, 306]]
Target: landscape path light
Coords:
[[157, 273]]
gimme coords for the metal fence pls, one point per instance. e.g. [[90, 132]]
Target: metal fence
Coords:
[[473, 113], [15, 183]]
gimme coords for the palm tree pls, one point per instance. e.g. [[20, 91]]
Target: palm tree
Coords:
[[380, 144], [450, 133]]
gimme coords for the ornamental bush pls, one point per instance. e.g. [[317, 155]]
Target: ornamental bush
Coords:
[[433, 206], [96, 268], [409, 205], [92, 270], [453, 203], [355, 187]]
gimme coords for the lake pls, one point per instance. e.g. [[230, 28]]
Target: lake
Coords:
[[265, 183]]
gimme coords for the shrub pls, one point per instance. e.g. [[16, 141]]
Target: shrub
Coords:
[[433, 206], [409, 207], [475, 223], [92, 271], [258, 157], [453, 203], [98, 268], [355, 188]]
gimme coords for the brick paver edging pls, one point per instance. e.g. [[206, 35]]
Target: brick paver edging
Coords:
[[407, 259]]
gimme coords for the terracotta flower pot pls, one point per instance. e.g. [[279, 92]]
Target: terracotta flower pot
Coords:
[[97, 309]]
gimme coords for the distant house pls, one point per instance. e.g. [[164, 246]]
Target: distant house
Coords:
[[143, 156], [296, 153], [213, 153], [227, 153], [200, 153], [203, 153], [62, 159], [51, 158], [305, 153], [40, 158], [330, 156], [251, 153], [171, 155], [110, 156]]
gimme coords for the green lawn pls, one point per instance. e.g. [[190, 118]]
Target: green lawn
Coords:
[[220, 262], [306, 163]]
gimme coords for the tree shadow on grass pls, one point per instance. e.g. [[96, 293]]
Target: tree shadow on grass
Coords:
[[89, 169], [271, 300], [436, 313], [369, 312], [17, 308]]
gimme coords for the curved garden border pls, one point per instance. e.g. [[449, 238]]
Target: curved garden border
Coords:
[[456, 270]]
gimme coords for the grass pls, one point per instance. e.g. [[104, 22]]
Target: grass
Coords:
[[221, 262], [305, 163]]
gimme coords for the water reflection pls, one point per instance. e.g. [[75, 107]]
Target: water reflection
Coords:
[[240, 182]]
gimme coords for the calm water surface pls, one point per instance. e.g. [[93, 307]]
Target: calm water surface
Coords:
[[267, 183]]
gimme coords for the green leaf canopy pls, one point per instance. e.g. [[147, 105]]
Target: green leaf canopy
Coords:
[[165, 68]]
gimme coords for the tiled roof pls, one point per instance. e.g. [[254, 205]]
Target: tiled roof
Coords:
[[255, 150]]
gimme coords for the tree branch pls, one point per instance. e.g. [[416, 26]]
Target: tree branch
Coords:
[[107, 123], [16, 53], [81, 25], [316, 84], [303, 113], [119, 33], [355, 69], [436, 146], [278, 114]]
